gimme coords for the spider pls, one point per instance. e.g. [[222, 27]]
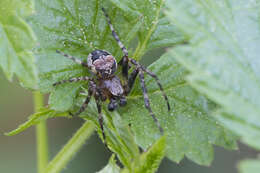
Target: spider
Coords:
[[106, 85]]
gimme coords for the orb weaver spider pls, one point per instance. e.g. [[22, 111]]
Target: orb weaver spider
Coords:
[[106, 85]]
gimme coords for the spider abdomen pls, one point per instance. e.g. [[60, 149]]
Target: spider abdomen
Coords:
[[102, 63], [112, 87]]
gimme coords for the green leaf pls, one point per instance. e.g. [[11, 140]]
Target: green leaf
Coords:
[[148, 162], [151, 159], [42, 114], [189, 128], [16, 42], [78, 28], [249, 166], [223, 58], [165, 34], [121, 141], [119, 138], [111, 166], [190, 131]]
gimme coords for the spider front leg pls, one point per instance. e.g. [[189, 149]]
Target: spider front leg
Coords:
[[124, 61], [76, 60], [121, 45]]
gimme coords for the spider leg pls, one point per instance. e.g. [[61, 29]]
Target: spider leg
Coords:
[[85, 104], [124, 60], [75, 79], [160, 86], [156, 79], [76, 60], [121, 45], [147, 102], [131, 80], [100, 119]]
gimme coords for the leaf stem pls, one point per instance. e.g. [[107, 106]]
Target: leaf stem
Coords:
[[70, 149], [41, 135]]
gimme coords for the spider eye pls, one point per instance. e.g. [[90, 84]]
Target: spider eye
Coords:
[[96, 54]]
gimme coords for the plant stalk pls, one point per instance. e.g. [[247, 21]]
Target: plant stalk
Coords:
[[71, 148], [41, 135]]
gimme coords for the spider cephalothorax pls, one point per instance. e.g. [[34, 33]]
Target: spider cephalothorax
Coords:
[[102, 63], [106, 85]]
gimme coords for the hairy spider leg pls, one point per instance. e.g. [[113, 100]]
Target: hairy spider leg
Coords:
[[121, 45], [100, 119], [160, 86], [85, 104], [74, 79], [124, 60], [76, 60], [142, 68], [147, 102]]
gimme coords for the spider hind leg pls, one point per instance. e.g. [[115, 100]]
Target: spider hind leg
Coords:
[[160, 86], [147, 102]]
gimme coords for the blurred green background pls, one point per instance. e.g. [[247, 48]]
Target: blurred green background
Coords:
[[18, 153]]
